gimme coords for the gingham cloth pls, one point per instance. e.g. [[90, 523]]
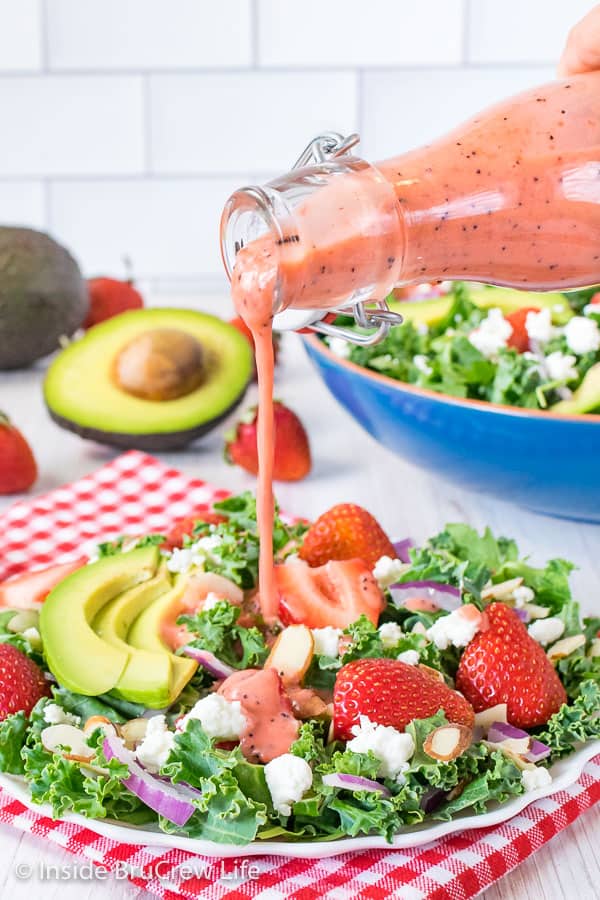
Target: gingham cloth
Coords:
[[134, 494]]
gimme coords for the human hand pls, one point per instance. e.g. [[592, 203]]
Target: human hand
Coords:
[[582, 50]]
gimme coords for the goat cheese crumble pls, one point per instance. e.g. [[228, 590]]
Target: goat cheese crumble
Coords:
[[390, 634], [546, 631], [538, 326], [561, 366], [535, 778], [339, 347], [327, 641], [491, 334], [56, 715], [185, 558], [157, 744], [392, 748], [523, 595], [387, 571], [455, 629], [288, 778], [220, 718], [410, 657], [582, 334]]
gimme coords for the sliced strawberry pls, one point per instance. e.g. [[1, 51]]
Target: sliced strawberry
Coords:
[[390, 692], [28, 591], [337, 593], [519, 338], [192, 600], [186, 525]]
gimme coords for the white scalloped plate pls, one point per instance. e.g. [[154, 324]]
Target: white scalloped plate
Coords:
[[564, 774]]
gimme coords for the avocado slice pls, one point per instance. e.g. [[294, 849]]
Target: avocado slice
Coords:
[[428, 312], [146, 677], [585, 399], [113, 385], [145, 631], [79, 659]]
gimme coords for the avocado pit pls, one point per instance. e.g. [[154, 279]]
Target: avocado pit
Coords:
[[161, 364]]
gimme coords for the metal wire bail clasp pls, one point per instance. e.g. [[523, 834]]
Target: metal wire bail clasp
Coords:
[[374, 316]]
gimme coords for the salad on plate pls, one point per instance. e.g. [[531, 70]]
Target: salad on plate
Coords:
[[531, 350], [400, 685]]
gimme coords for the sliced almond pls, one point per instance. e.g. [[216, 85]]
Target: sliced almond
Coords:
[[536, 612], [109, 728], [565, 647], [514, 745], [292, 653], [67, 740], [448, 741], [487, 717], [133, 732], [594, 647], [21, 621], [519, 762], [433, 673], [501, 591], [331, 732]]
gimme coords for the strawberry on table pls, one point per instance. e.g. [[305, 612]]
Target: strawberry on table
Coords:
[[22, 683], [390, 692], [292, 450], [109, 297], [18, 469], [519, 338], [505, 665], [336, 594], [346, 531]]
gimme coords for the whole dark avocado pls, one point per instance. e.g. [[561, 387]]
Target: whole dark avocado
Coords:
[[43, 296]]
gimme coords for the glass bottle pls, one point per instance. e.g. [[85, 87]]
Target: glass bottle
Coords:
[[511, 197]]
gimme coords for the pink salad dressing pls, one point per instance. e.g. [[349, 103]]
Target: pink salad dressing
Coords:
[[511, 197], [271, 728]]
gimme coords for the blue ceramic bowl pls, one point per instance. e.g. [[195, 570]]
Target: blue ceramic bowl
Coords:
[[548, 463]]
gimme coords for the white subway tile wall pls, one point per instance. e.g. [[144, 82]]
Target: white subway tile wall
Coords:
[[126, 123]]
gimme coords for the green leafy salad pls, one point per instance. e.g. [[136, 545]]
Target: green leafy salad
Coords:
[[300, 730], [537, 351]]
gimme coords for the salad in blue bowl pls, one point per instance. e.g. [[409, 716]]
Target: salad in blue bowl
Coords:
[[494, 389]]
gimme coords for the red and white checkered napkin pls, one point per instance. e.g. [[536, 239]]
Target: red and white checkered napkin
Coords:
[[137, 493]]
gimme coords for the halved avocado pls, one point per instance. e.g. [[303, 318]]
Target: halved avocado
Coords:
[[153, 379], [428, 312]]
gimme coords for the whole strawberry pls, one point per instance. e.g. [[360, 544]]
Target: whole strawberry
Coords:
[[390, 692], [22, 683], [345, 531], [292, 450], [109, 297], [18, 469], [505, 665]]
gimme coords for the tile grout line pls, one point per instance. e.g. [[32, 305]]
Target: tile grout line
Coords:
[[44, 38], [254, 35]]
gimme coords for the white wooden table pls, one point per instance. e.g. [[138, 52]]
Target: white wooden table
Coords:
[[348, 466]]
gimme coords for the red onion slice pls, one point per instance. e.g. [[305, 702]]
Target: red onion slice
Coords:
[[502, 731], [445, 596], [537, 752], [165, 799], [209, 661], [402, 548], [432, 799], [523, 615], [354, 783]]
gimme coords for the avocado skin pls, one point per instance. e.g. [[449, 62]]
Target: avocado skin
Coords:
[[43, 296], [146, 442]]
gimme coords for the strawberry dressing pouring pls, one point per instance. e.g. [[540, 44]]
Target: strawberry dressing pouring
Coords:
[[512, 197]]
